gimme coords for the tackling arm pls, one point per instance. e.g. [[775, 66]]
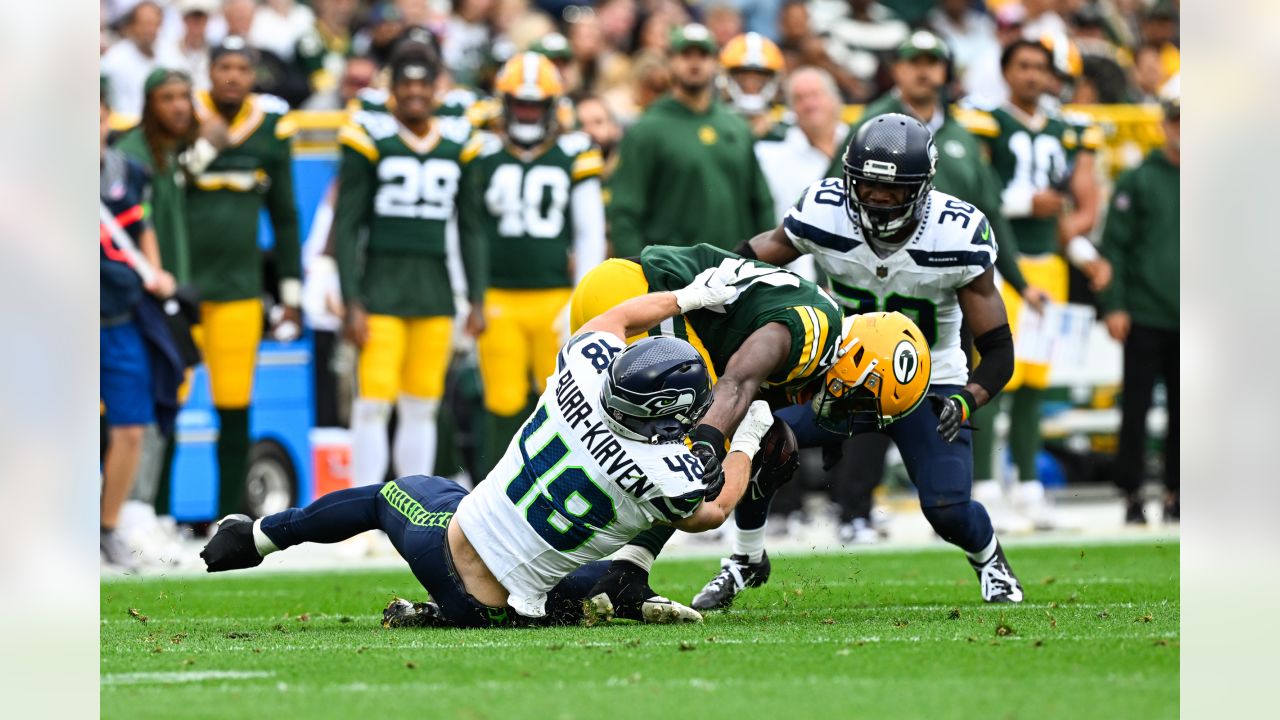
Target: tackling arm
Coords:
[[635, 315], [772, 246], [711, 514]]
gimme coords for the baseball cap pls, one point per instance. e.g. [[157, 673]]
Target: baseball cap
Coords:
[[923, 42], [554, 45], [693, 35]]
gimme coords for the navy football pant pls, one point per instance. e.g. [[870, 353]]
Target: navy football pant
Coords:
[[414, 512], [942, 471]]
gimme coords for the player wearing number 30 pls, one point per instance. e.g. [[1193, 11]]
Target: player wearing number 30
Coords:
[[602, 458], [397, 184], [536, 192], [889, 242]]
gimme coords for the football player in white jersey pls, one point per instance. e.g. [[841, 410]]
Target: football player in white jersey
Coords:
[[889, 242], [602, 458]]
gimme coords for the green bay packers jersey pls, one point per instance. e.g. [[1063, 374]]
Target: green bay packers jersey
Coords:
[[225, 200], [768, 295], [1031, 154], [524, 207], [458, 102], [400, 190]]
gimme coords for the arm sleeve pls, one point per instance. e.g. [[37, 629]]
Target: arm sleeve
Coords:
[[629, 191], [355, 192], [472, 244], [587, 205], [283, 209], [1117, 235]]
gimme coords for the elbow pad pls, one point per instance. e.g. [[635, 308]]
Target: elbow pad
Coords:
[[996, 366], [744, 249]]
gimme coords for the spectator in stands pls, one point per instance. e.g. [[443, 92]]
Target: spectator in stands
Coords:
[[595, 120], [595, 67], [1148, 73], [1042, 19], [801, 46], [193, 44], [760, 16], [272, 74], [279, 24], [127, 252], [1142, 310], [128, 62], [359, 73], [971, 36], [649, 79], [254, 172], [468, 35], [805, 151], [688, 158], [385, 26], [322, 51], [723, 20], [617, 23], [861, 36]]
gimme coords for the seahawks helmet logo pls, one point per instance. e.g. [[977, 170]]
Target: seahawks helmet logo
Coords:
[[651, 405], [905, 362]]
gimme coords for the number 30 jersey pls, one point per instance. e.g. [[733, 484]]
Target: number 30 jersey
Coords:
[[568, 491], [952, 246]]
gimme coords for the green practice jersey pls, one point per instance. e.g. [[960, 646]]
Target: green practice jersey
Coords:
[[1031, 154], [400, 190], [523, 206], [224, 201], [769, 295]]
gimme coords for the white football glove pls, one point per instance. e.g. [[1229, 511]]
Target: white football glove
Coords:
[[752, 429], [709, 289]]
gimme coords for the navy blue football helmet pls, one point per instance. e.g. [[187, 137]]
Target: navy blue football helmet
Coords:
[[656, 390], [893, 150]]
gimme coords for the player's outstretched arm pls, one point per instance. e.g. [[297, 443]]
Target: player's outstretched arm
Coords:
[[773, 247], [711, 514], [638, 314]]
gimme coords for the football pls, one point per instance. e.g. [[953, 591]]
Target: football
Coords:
[[779, 455]]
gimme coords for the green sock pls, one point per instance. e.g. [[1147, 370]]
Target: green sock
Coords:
[[498, 431], [1024, 431], [984, 440], [233, 459]]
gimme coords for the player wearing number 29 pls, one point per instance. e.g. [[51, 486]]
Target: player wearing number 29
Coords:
[[889, 242], [602, 458], [398, 182], [536, 192]]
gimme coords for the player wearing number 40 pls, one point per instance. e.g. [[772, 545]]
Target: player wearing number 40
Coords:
[[887, 241], [536, 191], [602, 458], [397, 185]]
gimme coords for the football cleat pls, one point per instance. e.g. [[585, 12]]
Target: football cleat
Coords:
[[858, 532], [999, 584], [736, 574], [231, 547], [1134, 513], [401, 613], [1172, 509], [624, 592]]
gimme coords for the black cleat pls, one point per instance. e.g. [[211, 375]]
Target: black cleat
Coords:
[[1172, 509], [999, 584], [736, 574], [1133, 511], [401, 613], [624, 592], [231, 547]]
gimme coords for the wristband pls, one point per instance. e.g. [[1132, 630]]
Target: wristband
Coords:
[[1080, 251], [711, 436], [967, 404], [745, 446]]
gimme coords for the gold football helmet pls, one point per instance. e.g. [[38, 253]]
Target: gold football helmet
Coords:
[[753, 66], [881, 373], [530, 88]]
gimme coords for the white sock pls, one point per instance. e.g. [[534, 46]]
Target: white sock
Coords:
[[749, 543], [369, 441], [261, 541], [415, 445], [636, 555], [982, 556]]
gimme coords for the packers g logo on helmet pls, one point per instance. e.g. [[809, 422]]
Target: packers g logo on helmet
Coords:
[[881, 373], [529, 86]]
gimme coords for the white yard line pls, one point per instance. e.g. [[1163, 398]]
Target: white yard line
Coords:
[[171, 678]]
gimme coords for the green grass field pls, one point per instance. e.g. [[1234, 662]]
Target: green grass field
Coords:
[[885, 634]]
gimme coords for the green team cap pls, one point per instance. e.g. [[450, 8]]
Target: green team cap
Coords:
[[693, 35], [164, 76], [923, 42], [553, 45]]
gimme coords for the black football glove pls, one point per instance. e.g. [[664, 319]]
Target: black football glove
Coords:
[[775, 463], [712, 469], [952, 412]]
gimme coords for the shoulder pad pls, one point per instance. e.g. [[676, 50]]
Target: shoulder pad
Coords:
[[819, 218], [482, 144], [953, 224], [463, 97], [373, 97], [978, 122], [272, 104], [378, 125], [455, 129], [574, 143]]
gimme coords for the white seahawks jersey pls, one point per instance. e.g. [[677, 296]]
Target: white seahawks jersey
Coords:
[[952, 246], [568, 491]]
